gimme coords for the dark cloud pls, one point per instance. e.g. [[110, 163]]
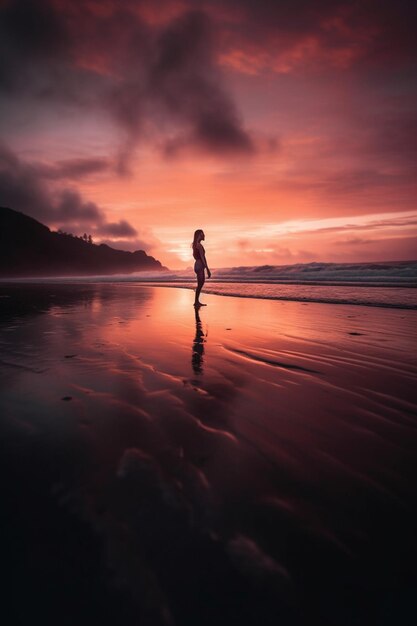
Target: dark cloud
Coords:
[[181, 84], [260, 18], [162, 77], [117, 229], [35, 28], [395, 41], [38, 55], [32, 35], [73, 168], [185, 78], [376, 32], [70, 207], [22, 188], [140, 72]]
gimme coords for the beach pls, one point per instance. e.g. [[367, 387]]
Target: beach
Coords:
[[251, 462]]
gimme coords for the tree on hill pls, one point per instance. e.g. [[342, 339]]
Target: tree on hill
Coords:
[[29, 248]]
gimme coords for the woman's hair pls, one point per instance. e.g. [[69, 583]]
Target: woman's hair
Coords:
[[196, 236]]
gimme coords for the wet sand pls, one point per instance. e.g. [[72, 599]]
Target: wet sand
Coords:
[[252, 463]]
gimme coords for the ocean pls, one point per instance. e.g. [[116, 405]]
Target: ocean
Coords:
[[388, 284]]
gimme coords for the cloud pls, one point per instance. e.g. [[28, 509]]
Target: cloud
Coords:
[[355, 241], [73, 168], [348, 182], [157, 73], [117, 229], [22, 187], [265, 251], [38, 54], [70, 207], [352, 180], [368, 225], [149, 77], [179, 88], [184, 77], [31, 34], [299, 35]]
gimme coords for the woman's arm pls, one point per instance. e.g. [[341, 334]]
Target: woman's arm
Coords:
[[203, 258]]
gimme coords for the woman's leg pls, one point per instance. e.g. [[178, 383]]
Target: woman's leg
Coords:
[[200, 282]]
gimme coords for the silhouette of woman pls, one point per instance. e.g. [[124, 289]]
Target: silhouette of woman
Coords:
[[197, 355], [200, 264]]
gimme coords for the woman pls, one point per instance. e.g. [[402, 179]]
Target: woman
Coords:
[[200, 264]]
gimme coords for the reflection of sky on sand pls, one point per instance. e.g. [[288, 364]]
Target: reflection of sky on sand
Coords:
[[250, 483]]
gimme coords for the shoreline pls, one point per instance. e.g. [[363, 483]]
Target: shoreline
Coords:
[[209, 291], [122, 278], [215, 291]]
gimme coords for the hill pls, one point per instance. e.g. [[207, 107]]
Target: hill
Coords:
[[28, 248]]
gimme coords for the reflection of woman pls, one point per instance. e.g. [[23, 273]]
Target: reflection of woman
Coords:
[[197, 356], [200, 264]]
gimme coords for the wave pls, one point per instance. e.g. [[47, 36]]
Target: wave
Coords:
[[394, 273]]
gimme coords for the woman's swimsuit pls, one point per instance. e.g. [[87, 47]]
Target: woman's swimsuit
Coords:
[[198, 265]]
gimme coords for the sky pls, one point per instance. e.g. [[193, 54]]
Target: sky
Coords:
[[285, 129]]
